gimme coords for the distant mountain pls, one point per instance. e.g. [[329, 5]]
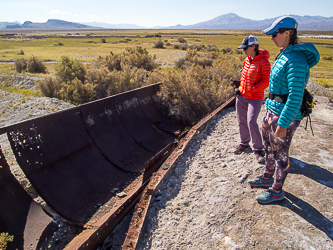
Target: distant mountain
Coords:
[[115, 26], [232, 21], [51, 24], [229, 21], [5, 24]]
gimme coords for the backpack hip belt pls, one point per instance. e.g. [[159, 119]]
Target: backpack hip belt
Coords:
[[278, 98]]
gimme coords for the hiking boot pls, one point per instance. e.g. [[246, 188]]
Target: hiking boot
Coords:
[[269, 196], [260, 154], [241, 148], [261, 182]]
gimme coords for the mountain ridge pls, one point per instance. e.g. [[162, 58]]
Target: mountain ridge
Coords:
[[51, 24], [230, 21]]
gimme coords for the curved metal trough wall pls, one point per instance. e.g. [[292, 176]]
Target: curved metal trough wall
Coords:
[[74, 158]]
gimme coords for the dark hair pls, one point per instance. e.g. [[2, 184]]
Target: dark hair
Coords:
[[256, 48], [293, 35]]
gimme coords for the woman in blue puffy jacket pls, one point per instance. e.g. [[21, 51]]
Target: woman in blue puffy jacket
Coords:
[[288, 79]]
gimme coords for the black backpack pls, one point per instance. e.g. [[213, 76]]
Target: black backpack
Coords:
[[307, 106]]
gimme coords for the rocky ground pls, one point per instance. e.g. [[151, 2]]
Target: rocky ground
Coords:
[[205, 202]]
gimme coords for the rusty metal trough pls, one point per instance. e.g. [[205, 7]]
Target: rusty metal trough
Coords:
[[76, 157]]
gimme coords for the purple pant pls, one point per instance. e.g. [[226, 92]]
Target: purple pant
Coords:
[[247, 114], [277, 149]]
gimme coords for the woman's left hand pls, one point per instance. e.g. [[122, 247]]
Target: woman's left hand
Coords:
[[280, 132]]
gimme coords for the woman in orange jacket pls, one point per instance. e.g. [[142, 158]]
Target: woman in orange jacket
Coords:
[[254, 80]]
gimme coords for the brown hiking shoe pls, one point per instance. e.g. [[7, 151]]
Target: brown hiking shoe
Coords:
[[241, 148]]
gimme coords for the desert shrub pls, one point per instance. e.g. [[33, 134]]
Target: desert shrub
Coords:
[[138, 57], [226, 50], [69, 69], [192, 93], [327, 58], [108, 76], [49, 86], [127, 79], [198, 47], [21, 52], [183, 46], [176, 46], [74, 91], [192, 57], [180, 62], [112, 61], [110, 83], [168, 44], [100, 76], [103, 40], [59, 44], [77, 92], [181, 39], [211, 48], [35, 65], [4, 239], [20, 65], [68, 83], [159, 44]]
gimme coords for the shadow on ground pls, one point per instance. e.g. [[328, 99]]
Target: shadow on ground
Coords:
[[313, 172], [302, 208]]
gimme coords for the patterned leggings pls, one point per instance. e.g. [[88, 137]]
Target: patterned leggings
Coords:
[[277, 149]]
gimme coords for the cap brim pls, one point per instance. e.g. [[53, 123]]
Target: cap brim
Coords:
[[270, 30], [242, 46]]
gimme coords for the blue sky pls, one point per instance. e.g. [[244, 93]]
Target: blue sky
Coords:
[[150, 13]]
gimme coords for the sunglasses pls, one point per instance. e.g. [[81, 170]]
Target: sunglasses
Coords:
[[276, 32]]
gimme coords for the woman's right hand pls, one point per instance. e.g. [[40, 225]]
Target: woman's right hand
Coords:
[[280, 132]]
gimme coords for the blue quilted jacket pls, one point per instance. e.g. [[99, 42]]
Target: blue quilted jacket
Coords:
[[289, 76]]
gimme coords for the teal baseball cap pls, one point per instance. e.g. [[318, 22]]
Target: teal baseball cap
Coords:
[[286, 22]]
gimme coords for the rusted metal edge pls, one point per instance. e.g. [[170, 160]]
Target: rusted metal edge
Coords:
[[228, 103], [95, 233], [154, 163], [143, 205], [4, 129]]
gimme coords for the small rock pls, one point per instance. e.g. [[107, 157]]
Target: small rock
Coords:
[[121, 194]]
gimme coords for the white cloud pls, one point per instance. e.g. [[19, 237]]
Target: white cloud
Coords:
[[58, 12]]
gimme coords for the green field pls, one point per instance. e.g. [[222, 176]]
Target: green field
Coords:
[[88, 46]]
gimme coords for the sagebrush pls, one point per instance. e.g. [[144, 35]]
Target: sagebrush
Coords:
[[4, 239], [195, 89], [32, 65], [111, 75], [195, 86]]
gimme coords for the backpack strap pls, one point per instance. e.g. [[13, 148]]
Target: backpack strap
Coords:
[[306, 124]]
